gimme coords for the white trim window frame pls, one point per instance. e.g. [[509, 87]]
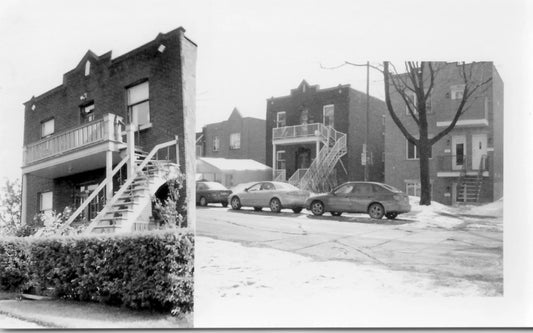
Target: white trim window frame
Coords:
[[281, 119], [414, 185], [235, 141], [46, 201], [456, 91], [216, 143], [138, 100], [328, 112], [47, 128], [411, 96], [280, 160], [414, 154]]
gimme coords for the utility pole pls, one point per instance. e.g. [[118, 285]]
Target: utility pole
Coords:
[[365, 147]]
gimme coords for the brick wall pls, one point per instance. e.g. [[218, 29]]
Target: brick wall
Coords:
[[171, 77]]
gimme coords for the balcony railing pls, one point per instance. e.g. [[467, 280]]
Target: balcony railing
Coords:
[[108, 128], [300, 131], [461, 163]]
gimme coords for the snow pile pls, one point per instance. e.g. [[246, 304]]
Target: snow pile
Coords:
[[249, 287], [492, 209], [436, 214]]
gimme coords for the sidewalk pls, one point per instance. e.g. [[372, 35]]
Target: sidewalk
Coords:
[[70, 314]]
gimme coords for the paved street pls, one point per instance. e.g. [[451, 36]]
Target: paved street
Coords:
[[471, 250]]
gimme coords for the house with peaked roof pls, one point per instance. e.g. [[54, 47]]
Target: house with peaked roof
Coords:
[[237, 137], [105, 139], [315, 138]]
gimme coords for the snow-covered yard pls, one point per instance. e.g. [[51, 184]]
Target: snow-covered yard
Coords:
[[245, 286]]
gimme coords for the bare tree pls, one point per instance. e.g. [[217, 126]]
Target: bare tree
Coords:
[[414, 86]]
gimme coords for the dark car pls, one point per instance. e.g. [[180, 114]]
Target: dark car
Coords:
[[376, 199], [211, 192]]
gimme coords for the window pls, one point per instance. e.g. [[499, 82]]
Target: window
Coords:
[[304, 117], [216, 143], [87, 113], [456, 91], [412, 189], [344, 189], [139, 105], [363, 188], [281, 119], [412, 152], [45, 202], [47, 128], [255, 187], [329, 115], [280, 160], [486, 107], [235, 141], [411, 97], [87, 68]]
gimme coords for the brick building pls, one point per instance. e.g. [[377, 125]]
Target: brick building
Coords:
[[331, 122], [76, 133], [236, 138], [467, 164]]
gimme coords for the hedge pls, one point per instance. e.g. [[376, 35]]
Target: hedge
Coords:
[[152, 270]]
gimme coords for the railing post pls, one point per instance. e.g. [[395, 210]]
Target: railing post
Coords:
[[109, 175], [273, 160], [177, 151], [130, 144]]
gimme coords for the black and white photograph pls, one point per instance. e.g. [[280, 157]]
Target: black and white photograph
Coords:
[[266, 164]]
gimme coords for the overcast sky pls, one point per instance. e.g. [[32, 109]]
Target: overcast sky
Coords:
[[248, 51]]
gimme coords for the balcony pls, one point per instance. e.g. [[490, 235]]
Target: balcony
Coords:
[[77, 149], [457, 165], [300, 133]]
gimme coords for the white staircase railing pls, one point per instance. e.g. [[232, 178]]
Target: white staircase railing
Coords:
[[93, 195], [316, 178], [137, 172]]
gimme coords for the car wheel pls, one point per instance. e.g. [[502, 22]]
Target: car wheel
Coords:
[[336, 213], [317, 208], [376, 211], [297, 210], [235, 203], [258, 209], [224, 204], [275, 205], [391, 216], [203, 201]]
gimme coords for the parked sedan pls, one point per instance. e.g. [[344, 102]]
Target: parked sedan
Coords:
[[211, 192], [376, 199], [276, 195]]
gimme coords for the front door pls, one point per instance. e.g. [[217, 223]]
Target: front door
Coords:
[[458, 151], [479, 148], [303, 159]]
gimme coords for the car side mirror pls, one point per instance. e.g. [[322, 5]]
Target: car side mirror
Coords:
[[246, 189]]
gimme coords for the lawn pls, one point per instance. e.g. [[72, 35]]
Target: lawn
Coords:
[[70, 314]]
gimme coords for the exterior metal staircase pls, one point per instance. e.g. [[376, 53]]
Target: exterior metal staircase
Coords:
[[130, 207], [469, 186], [317, 177]]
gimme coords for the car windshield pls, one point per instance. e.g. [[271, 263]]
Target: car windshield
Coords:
[[391, 188], [215, 186], [286, 186]]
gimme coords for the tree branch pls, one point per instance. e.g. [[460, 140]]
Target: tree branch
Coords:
[[397, 121]]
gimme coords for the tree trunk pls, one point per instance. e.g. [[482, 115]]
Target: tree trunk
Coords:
[[425, 185]]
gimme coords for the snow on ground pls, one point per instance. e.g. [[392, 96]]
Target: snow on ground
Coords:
[[249, 287], [488, 216]]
